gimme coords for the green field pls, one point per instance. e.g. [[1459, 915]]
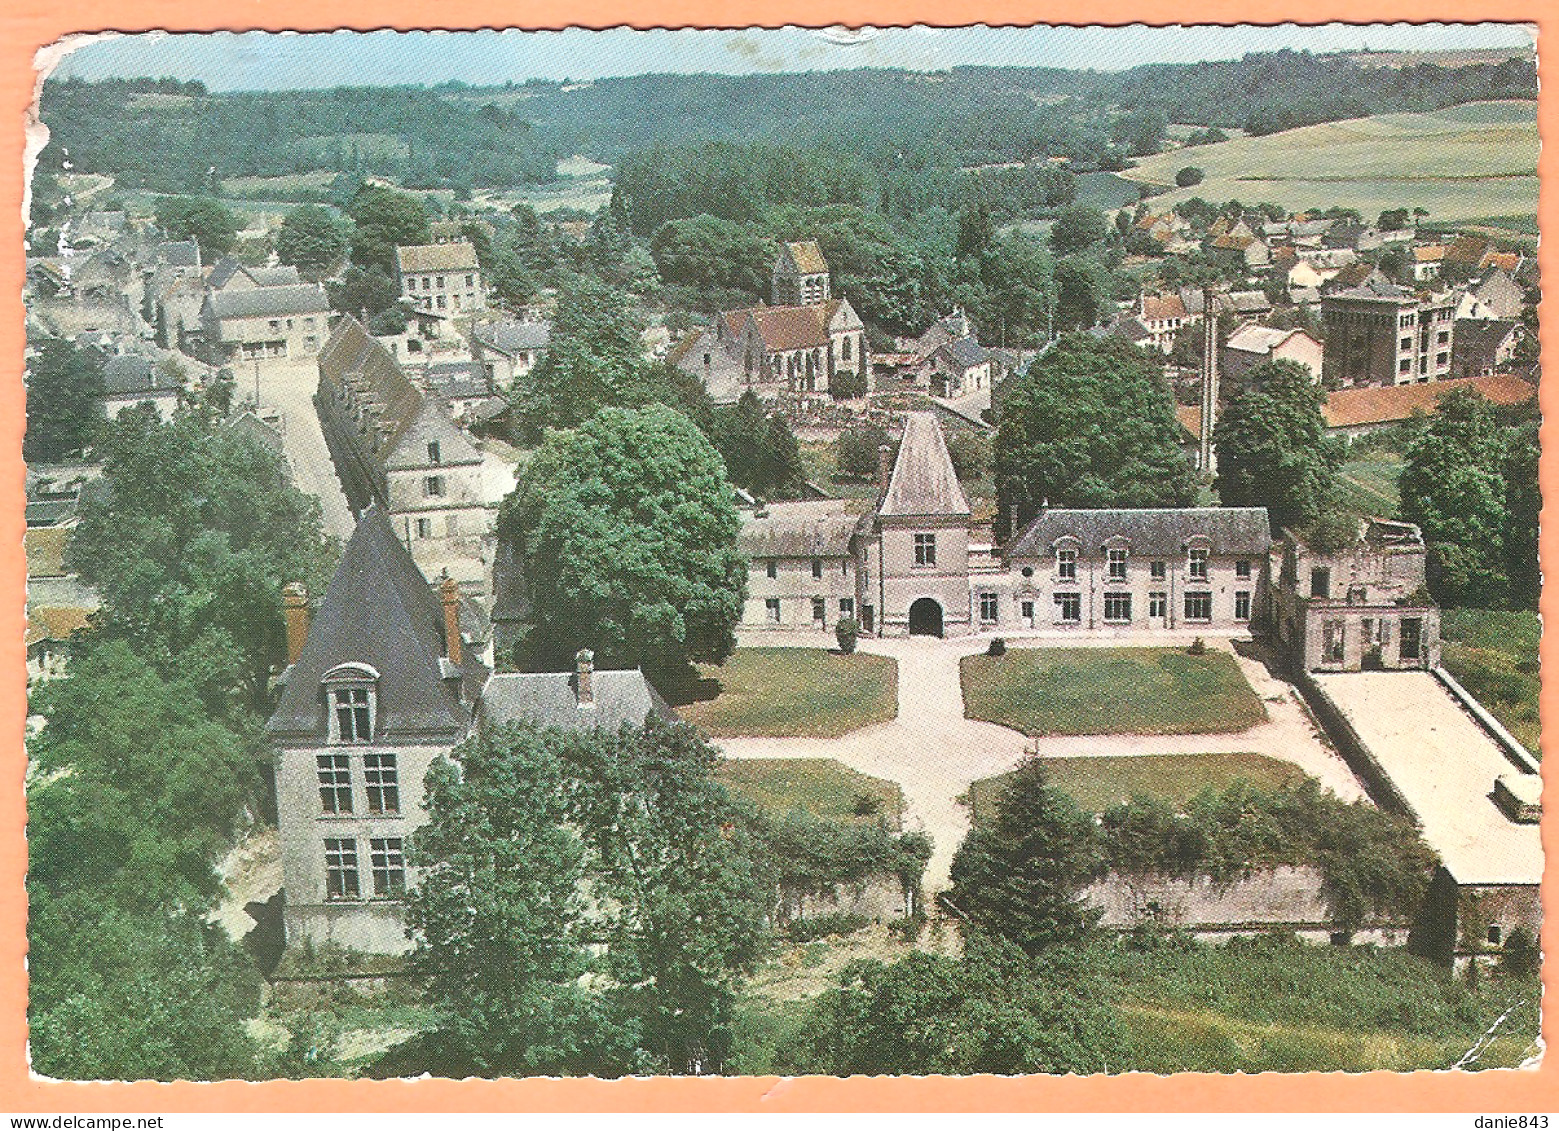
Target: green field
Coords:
[[1493, 654], [1098, 783], [1462, 163], [821, 786], [1110, 691], [793, 692], [1368, 485]]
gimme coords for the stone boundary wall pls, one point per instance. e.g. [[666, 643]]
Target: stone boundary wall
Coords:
[[1353, 748]]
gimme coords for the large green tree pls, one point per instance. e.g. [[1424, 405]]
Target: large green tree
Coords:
[[1077, 229], [200, 218], [1020, 872], [312, 239], [1272, 446], [197, 530], [385, 219], [64, 402], [1089, 424], [626, 531], [761, 453], [589, 902], [994, 1010], [1454, 488]]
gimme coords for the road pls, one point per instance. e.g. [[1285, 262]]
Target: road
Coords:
[[289, 385]]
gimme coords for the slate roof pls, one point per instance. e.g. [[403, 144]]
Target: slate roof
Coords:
[[510, 336], [247, 422], [126, 374], [1378, 288], [180, 253], [430, 423], [1258, 339], [352, 356], [923, 480], [549, 699], [1375, 404], [380, 611], [269, 302], [1162, 530], [457, 255], [1480, 338], [805, 257], [222, 274], [966, 353], [811, 529], [285, 275]]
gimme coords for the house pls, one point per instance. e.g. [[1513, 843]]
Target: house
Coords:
[[258, 323], [130, 379], [1354, 274], [946, 329], [1496, 296], [793, 346], [397, 446], [1484, 346], [1428, 260], [959, 367], [380, 684], [229, 274], [801, 570], [58, 602], [1467, 253], [1163, 316], [509, 348], [1383, 334], [1250, 345], [1360, 606], [1360, 411], [441, 276], [1249, 250]]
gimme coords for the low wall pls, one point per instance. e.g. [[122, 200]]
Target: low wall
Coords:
[[1353, 748], [1506, 741]]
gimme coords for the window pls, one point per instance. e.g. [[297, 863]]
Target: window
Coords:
[[440, 283], [308, 323], [433, 486], [1199, 606], [844, 350], [441, 302], [388, 864], [1158, 604], [427, 282], [771, 609], [1117, 565], [341, 869], [424, 528], [925, 549], [1242, 568], [354, 719], [771, 567], [1242, 605], [451, 524], [988, 608], [1027, 571], [383, 782], [1117, 606], [1494, 934], [817, 567], [1069, 607], [275, 323], [1412, 638], [1320, 582], [1028, 613], [1158, 570], [819, 610], [1333, 640], [847, 606], [1197, 564], [470, 280], [335, 782], [433, 451], [1066, 565]]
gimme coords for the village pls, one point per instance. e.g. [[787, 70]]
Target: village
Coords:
[[1151, 559]]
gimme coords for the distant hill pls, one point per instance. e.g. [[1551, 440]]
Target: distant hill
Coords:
[[1461, 163]]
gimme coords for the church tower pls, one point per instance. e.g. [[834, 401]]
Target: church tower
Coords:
[[800, 276]]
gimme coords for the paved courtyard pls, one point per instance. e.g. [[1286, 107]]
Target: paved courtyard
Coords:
[[289, 385], [934, 753]]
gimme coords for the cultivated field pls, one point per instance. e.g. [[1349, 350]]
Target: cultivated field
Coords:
[[1463, 163]]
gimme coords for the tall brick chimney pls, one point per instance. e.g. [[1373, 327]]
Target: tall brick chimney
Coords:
[[884, 466], [295, 609], [584, 677], [450, 593]]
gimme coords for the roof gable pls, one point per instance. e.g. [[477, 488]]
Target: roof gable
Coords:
[[430, 424], [802, 257], [923, 480]]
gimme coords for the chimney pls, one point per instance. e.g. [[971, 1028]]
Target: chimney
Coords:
[[295, 608], [584, 677], [884, 466], [450, 592]]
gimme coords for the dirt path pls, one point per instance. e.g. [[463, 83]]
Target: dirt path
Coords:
[[934, 753], [290, 386]]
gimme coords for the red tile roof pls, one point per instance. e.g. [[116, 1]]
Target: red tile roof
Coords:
[[1351, 408], [1157, 308]]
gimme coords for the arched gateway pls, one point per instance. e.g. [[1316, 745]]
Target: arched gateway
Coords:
[[925, 618]]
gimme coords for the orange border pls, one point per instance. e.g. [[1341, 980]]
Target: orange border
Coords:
[[25, 25]]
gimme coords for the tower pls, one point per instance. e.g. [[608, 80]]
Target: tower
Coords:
[[1206, 457]]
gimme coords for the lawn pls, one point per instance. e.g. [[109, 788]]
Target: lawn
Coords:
[[1461, 163], [1368, 485], [793, 692], [1110, 691], [1493, 654], [1098, 783], [821, 786]]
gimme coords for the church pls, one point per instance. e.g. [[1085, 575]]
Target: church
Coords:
[[797, 345]]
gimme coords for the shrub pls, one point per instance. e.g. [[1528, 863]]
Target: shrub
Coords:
[[1189, 176], [846, 632], [847, 385], [866, 805], [839, 923], [1198, 647], [998, 647]]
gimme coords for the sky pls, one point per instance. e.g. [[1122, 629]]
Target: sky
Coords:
[[281, 61]]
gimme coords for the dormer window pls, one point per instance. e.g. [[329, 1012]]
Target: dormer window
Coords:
[[1196, 563], [433, 451], [1066, 565], [1116, 560], [351, 701]]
